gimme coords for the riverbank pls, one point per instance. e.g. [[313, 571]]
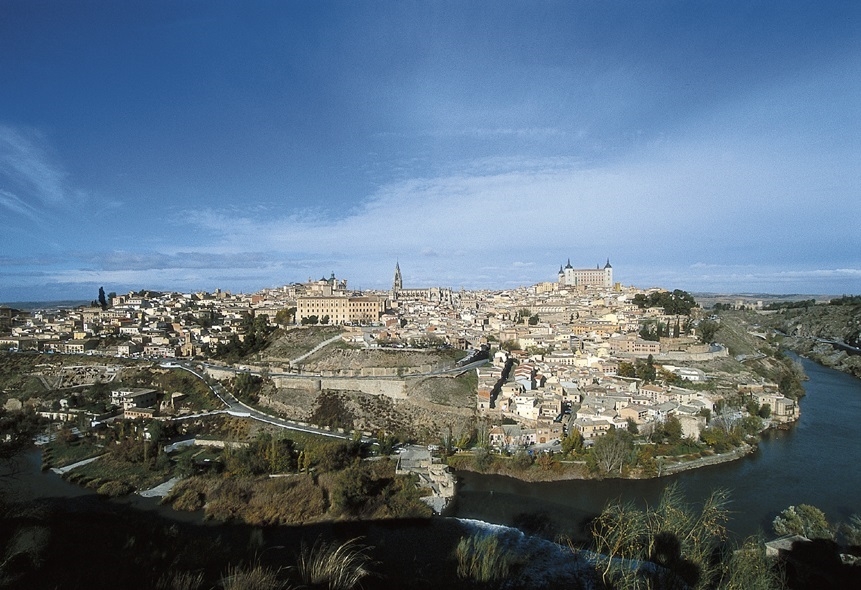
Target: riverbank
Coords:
[[566, 470]]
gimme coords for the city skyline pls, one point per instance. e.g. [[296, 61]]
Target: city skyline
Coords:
[[711, 147]]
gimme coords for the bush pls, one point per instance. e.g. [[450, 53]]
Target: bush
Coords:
[[482, 459], [522, 460], [805, 520], [115, 488]]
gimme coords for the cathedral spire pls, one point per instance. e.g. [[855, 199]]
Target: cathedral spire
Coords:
[[398, 283]]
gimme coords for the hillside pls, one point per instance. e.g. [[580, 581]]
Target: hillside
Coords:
[[807, 327]]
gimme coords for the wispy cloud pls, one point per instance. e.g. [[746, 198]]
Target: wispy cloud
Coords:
[[16, 205], [30, 177]]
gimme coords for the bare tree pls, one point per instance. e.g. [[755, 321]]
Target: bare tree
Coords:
[[613, 450]]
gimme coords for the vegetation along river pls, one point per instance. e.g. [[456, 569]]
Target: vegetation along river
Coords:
[[815, 462]]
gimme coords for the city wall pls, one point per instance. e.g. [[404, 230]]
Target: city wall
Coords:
[[386, 383]]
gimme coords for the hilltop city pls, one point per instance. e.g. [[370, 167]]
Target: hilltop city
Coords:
[[313, 402], [581, 352]]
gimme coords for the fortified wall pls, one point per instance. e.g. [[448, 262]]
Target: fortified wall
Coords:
[[393, 387]]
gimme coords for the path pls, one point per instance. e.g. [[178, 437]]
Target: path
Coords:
[[160, 490], [315, 349], [67, 468]]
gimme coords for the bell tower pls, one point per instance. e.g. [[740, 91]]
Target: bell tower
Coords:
[[398, 283]]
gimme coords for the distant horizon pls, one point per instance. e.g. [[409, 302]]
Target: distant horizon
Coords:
[[709, 146]]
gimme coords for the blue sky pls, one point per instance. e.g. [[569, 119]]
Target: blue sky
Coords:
[[709, 146]]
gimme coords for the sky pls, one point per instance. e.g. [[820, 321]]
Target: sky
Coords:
[[194, 145]]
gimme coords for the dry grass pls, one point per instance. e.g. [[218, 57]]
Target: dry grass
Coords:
[[481, 558], [255, 577], [333, 566], [259, 501]]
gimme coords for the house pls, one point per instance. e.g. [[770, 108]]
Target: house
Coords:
[[591, 429], [136, 397]]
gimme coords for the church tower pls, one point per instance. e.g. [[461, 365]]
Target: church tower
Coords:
[[398, 283]]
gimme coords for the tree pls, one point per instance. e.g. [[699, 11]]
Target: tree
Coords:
[[626, 369], [669, 430], [103, 303], [286, 315], [534, 319], [522, 460], [632, 427], [325, 319], [613, 450], [572, 443], [708, 329]]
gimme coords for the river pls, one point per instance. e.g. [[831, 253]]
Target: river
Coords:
[[815, 462], [812, 463]]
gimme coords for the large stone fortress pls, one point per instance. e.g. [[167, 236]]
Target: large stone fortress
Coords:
[[594, 277]]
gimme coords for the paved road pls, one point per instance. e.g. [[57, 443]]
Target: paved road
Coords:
[[237, 408]]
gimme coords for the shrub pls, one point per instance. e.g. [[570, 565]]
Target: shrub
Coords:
[[115, 488], [804, 520], [482, 459], [521, 460]]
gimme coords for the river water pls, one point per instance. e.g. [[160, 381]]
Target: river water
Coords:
[[815, 462]]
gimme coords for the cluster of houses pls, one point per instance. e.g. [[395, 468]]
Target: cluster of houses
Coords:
[[567, 339]]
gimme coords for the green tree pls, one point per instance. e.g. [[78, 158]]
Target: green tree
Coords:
[[632, 427], [626, 369], [286, 316], [103, 303], [534, 319], [572, 444], [670, 430], [482, 459], [708, 330]]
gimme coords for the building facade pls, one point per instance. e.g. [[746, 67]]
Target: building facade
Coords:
[[592, 277], [341, 309]]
